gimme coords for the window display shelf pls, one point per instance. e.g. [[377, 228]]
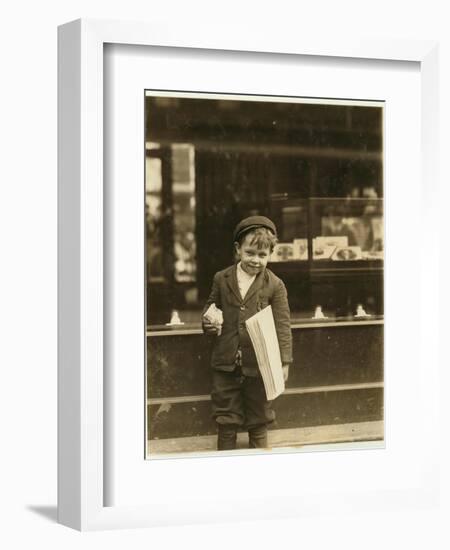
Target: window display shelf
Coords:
[[163, 330], [317, 266]]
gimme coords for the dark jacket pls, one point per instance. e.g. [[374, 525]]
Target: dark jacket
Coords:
[[266, 289]]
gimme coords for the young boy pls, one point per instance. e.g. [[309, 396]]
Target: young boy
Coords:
[[238, 394]]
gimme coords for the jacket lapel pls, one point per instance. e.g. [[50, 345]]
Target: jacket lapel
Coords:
[[231, 278], [256, 285]]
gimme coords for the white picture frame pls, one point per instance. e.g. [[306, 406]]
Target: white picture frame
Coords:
[[81, 357]]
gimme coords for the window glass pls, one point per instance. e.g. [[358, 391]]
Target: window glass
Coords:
[[316, 169]]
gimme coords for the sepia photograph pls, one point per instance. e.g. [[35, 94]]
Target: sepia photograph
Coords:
[[264, 254]]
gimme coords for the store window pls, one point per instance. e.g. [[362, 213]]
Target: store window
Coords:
[[315, 168]]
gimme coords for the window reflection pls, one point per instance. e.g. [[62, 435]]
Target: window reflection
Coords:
[[350, 229]]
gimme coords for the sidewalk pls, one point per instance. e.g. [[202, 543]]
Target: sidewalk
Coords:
[[286, 438]]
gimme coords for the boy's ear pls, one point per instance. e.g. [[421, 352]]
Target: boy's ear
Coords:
[[237, 247]]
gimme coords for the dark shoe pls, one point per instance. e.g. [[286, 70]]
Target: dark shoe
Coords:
[[226, 437], [257, 437]]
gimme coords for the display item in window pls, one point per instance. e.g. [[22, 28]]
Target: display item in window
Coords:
[[318, 313], [361, 312], [300, 249], [283, 252], [347, 253], [335, 240], [175, 319], [322, 251]]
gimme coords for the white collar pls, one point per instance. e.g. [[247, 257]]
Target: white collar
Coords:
[[242, 273]]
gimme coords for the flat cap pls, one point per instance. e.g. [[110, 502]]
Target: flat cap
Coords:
[[253, 222]]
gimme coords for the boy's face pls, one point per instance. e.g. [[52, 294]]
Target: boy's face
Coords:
[[253, 259]]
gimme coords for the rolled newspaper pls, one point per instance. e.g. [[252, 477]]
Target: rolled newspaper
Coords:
[[215, 316]]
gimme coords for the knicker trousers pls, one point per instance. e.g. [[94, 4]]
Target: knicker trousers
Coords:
[[240, 402]]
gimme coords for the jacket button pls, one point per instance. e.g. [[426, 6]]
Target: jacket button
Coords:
[[242, 308]]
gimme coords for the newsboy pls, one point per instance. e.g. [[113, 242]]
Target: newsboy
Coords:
[[239, 291]]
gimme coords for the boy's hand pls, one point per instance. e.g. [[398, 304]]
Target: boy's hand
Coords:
[[209, 328], [285, 372]]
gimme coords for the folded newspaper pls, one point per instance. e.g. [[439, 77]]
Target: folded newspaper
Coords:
[[261, 328], [215, 316]]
